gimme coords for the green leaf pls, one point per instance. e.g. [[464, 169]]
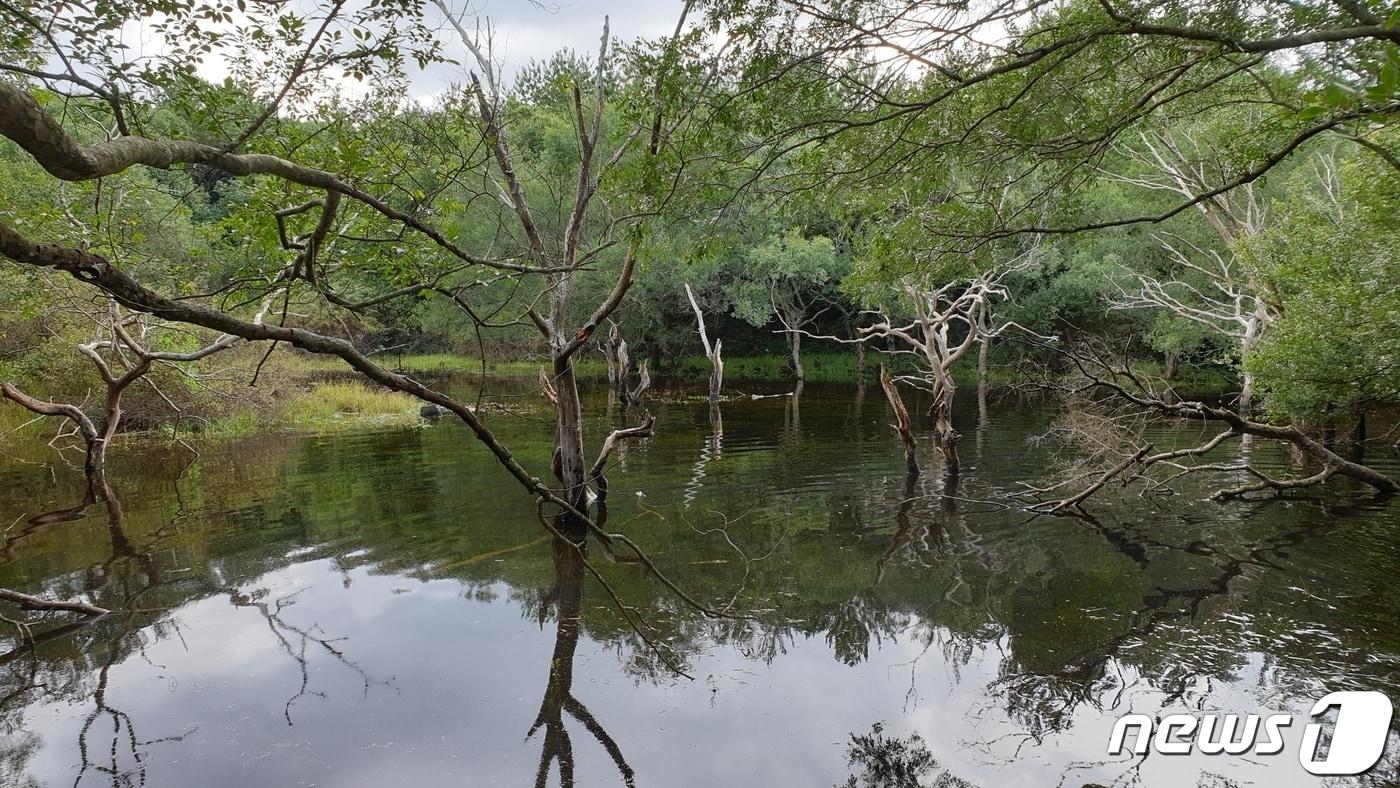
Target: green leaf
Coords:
[[1312, 112]]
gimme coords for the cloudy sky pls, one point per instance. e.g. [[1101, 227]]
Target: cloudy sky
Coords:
[[526, 30]]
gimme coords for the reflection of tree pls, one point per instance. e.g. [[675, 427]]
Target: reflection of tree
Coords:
[[920, 535], [135, 595], [121, 582], [124, 742], [1044, 698], [853, 625], [295, 641], [880, 761], [711, 451], [567, 597]]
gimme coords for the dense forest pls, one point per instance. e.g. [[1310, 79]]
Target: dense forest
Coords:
[[231, 218]]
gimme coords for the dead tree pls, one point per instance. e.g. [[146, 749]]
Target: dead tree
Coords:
[[1102, 383], [584, 236], [619, 361], [587, 230], [795, 311], [643, 384], [618, 356], [948, 321], [902, 424], [712, 351], [121, 355], [1209, 287]]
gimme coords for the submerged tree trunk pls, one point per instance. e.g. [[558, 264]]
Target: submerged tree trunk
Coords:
[[795, 400], [643, 383], [902, 424], [937, 311], [945, 438], [1253, 328], [984, 345], [795, 350], [569, 434], [716, 373], [1246, 401]]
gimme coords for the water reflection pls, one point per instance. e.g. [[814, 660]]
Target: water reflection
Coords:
[[348, 611], [566, 598], [880, 761], [108, 746]]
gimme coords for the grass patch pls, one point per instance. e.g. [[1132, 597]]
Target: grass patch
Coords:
[[421, 363], [15, 420], [240, 424], [328, 405], [583, 367]]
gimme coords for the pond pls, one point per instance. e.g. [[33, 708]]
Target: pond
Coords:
[[383, 607]]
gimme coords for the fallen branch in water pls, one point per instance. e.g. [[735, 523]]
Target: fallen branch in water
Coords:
[[1099, 376], [27, 602]]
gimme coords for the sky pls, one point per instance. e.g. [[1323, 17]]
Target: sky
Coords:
[[524, 31], [527, 31]]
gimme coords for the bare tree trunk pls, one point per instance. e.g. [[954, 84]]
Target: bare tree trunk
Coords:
[[569, 434], [983, 346], [1246, 401], [945, 438], [795, 349], [624, 368], [712, 352], [902, 424], [1255, 325], [860, 361], [643, 383], [1173, 360], [610, 355], [796, 402], [937, 310], [716, 374]]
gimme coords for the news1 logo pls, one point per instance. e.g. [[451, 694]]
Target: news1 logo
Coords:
[[1358, 737]]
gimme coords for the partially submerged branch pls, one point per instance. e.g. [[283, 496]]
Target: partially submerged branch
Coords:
[[902, 423], [1107, 383], [27, 602]]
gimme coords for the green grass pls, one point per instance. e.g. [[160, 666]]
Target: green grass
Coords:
[[332, 404], [325, 407], [15, 420], [583, 368], [238, 425], [821, 367], [442, 363]]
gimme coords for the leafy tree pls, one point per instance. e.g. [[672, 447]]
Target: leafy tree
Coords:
[[1335, 351], [790, 277]]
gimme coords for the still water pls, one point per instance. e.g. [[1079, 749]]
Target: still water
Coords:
[[381, 607]]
